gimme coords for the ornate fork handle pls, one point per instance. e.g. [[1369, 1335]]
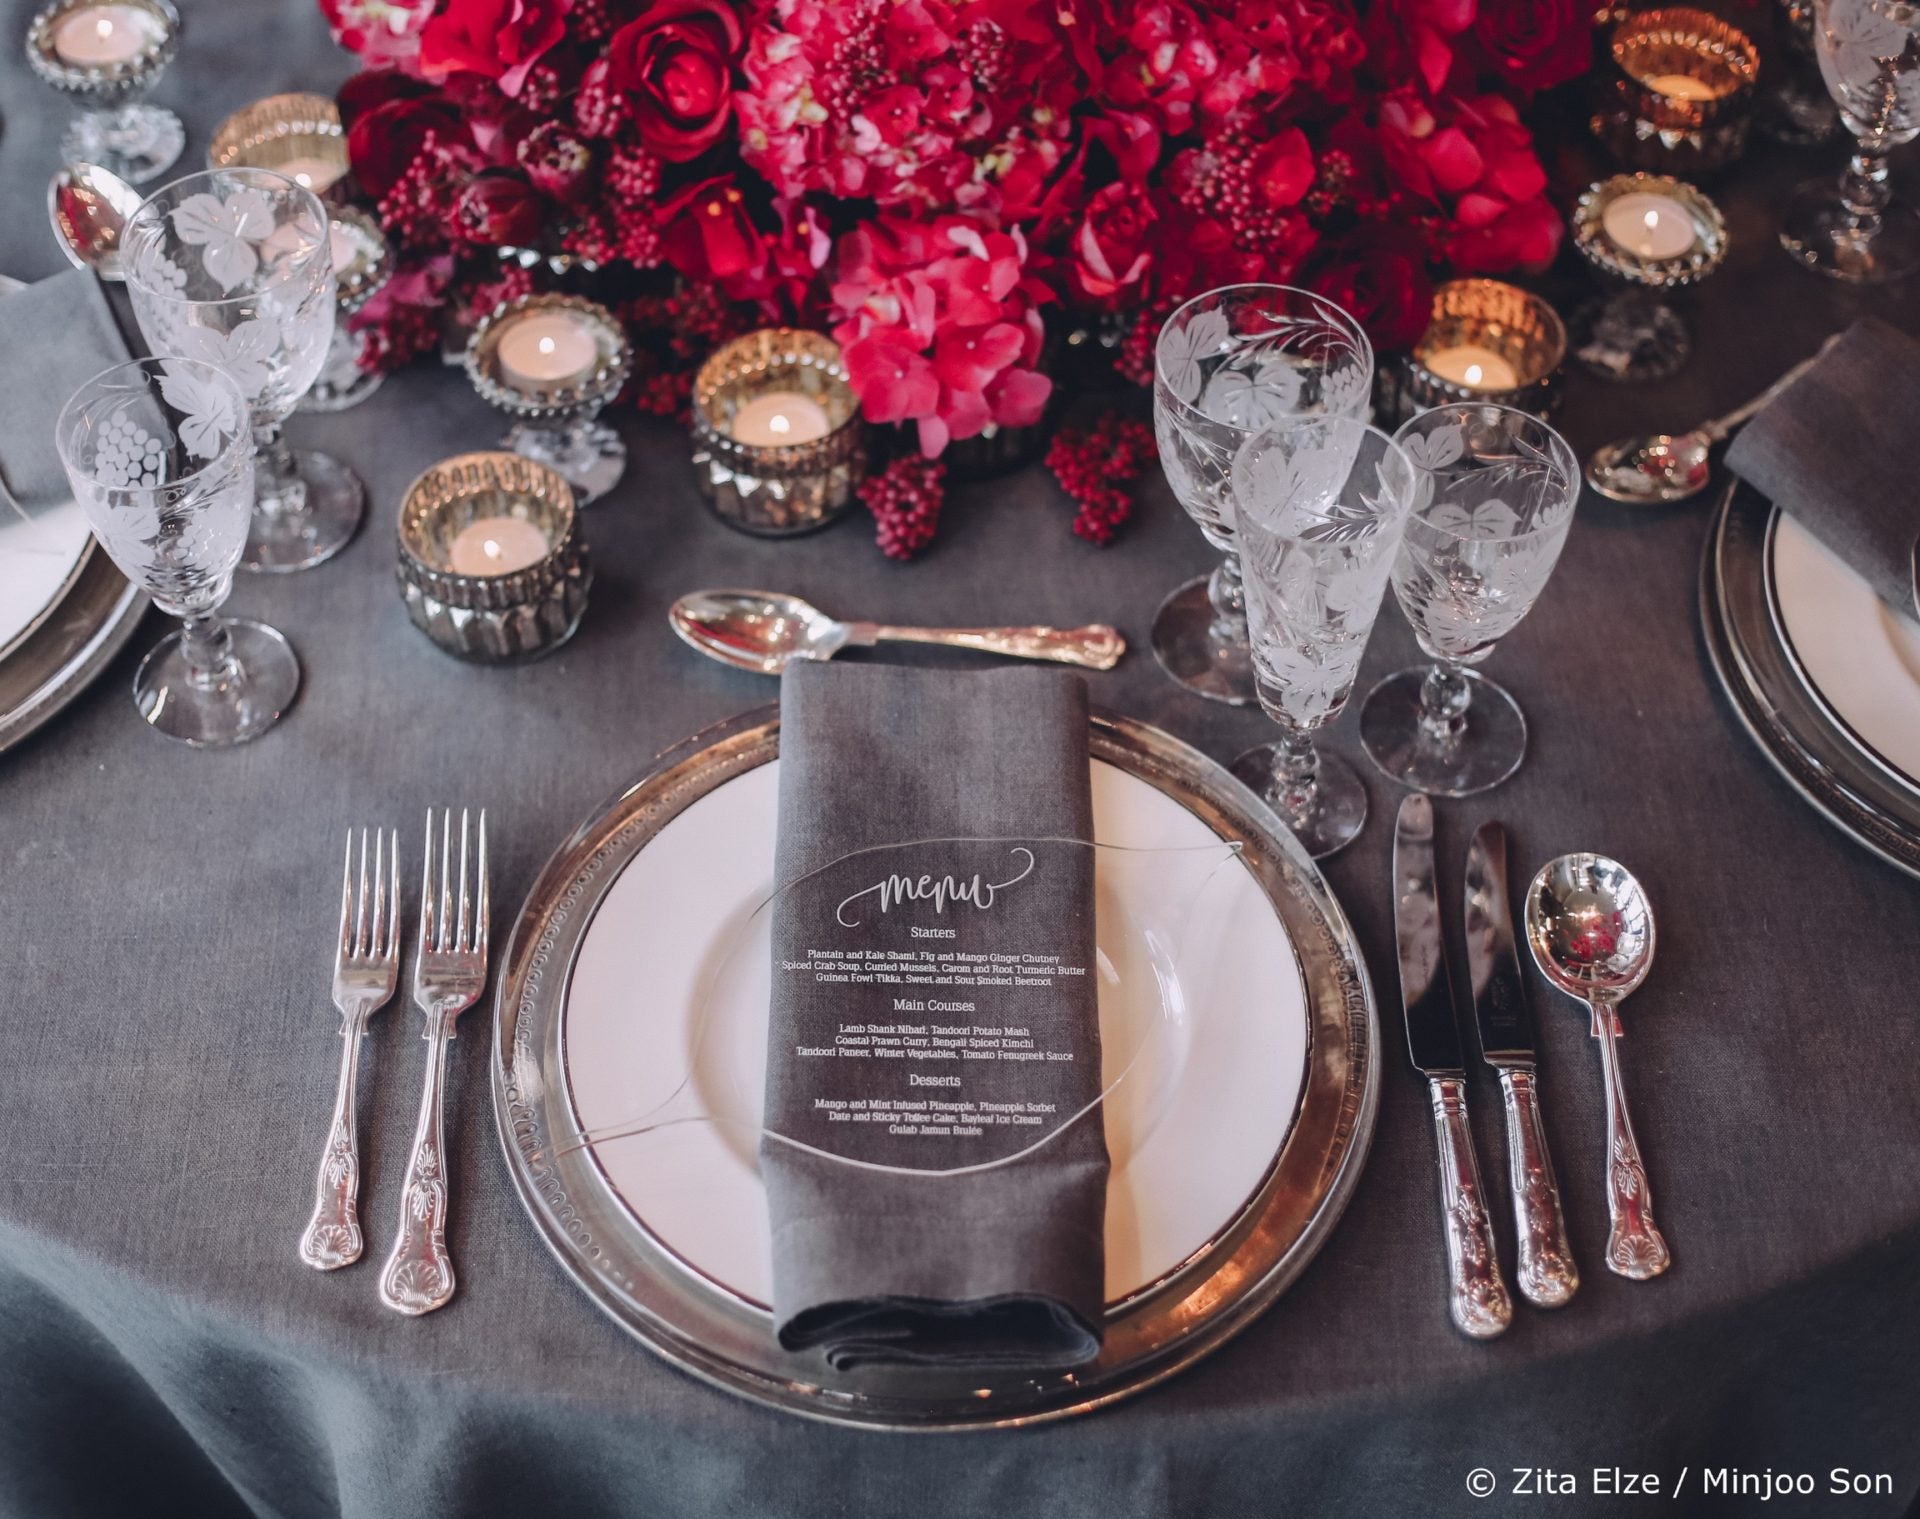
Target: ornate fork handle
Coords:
[[1096, 647], [418, 1276], [333, 1237], [1476, 1296], [1546, 1272], [1635, 1246]]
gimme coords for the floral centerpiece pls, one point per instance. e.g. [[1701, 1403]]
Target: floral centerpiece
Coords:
[[932, 181]]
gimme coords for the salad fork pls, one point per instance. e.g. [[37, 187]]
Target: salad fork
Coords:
[[366, 967], [449, 973]]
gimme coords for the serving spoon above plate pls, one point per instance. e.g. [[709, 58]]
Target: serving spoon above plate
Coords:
[[765, 631], [89, 207]]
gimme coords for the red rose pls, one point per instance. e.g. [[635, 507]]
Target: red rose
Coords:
[[383, 141], [1534, 44], [1378, 272], [496, 39], [373, 88], [675, 61], [1112, 248], [499, 209], [706, 233]]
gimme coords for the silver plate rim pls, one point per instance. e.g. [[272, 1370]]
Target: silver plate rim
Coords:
[[72, 644], [1151, 1336], [1786, 720]]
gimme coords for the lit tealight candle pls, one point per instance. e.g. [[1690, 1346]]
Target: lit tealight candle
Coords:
[[547, 351], [1648, 225], [98, 36], [1474, 367], [496, 546], [780, 417], [314, 174], [1684, 87]]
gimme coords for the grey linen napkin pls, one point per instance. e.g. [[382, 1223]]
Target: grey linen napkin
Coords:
[[55, 335], [1836, 450], [1002, 1266]]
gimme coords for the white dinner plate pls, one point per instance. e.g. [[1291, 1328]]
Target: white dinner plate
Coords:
[[1857, 655], [1193, 1128], [41, 555]]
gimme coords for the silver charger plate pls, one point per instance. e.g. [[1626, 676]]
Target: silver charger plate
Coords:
[[68, 647], [1150, 1336], [1793, 725]]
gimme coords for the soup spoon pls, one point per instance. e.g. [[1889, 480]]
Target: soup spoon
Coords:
[[1590, 927], [89, 207]]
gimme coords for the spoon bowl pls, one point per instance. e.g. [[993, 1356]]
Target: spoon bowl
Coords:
[[1590, 927], [89, 207], [762, 631], [1652, 471]]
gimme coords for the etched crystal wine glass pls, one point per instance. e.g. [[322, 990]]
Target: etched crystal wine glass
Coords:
[[1493, 499], [1319, 504], [1226, 364], [160, 458], [233, 267], [1869, 53]]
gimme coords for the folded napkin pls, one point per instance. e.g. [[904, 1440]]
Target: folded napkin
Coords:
[[54, 336], [1001, 1266], [1835, 449]]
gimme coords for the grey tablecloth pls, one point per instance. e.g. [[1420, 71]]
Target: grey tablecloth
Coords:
[[168, 1048]]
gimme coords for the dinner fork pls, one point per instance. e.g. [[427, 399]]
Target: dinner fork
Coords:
[[366, 967], [449, 973]]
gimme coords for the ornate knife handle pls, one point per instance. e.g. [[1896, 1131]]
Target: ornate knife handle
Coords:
[[332, 1238], [1097, 646], [1476, 1296], [1635, 1247], [1546, 1273], [418, 1276]]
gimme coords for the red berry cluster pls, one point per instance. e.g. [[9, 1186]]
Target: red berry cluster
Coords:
[[905, 499], [1094, 465], [421, 206]]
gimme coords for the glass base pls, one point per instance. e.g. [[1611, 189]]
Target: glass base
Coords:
[[312, 523], [1818, 231], [1485, 752], [591, 459], [1630, 336], [325, 396], [137, 142], [1186, 643], [1339, 808], [251, 700]]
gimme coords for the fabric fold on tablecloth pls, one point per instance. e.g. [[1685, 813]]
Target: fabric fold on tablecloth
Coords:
[[1833, 450], [918, 1240], [55, 335]]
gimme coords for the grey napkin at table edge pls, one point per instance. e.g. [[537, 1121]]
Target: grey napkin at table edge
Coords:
[[55, 335], [1836, 450], [997, 1268]]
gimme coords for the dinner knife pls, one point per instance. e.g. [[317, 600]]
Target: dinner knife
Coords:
[[1476, 1296], [1546, 1272]]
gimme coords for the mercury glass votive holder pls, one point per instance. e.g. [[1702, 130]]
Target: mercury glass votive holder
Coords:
[[1650, 233], [362, 263], [1676, 91], [552, 362], [106, 54], [1488, 341], [769, 489], [298, 135], [474, 507]]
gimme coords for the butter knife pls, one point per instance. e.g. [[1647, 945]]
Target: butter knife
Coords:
[[1476, 1295], [1546, 1273]]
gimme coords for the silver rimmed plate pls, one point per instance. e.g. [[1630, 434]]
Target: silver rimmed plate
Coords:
[[67, 647], [1219, 1197], [1794, 725]]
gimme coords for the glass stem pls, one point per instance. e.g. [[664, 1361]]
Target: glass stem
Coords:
[[1296, 774], [1865, 192], [276, 477], [1444, 697], [207, 647], [1228, 593]]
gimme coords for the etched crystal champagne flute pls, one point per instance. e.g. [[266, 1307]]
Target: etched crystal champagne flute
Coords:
[[1494, 495], [1226, 364], [1319, 504], [233, 267], [1869, 53], [160, 458]]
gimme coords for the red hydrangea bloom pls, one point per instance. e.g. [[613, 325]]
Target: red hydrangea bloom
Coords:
[[941, 326], [1473, 160]]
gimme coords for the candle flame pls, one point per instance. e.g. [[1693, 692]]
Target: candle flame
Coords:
[[1473, 374], [1653, 219], [306, 181], [491, 549], [546, 345], [779, 423], [104, 28]]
